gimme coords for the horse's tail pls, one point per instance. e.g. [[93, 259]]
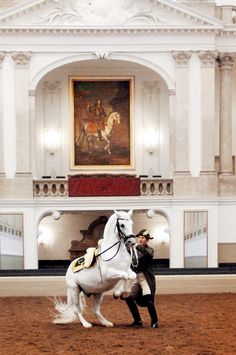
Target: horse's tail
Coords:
[[65, 311]]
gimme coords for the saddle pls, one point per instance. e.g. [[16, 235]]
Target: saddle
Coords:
[[85, 261], [94, 127]]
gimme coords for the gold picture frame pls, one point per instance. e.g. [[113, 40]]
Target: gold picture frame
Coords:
[[101, 122]]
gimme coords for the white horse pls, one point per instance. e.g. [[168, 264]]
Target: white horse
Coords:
[[90, 132], [112, 265]]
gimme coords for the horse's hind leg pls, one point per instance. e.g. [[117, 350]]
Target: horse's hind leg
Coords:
[[77, 307], [96, 309]]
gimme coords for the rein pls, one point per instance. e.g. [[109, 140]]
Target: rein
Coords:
[[119, 242], [122, 237], [134, 256]]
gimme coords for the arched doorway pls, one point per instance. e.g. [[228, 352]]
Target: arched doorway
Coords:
[[57, 232]]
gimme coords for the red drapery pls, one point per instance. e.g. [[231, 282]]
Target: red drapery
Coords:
[[103, 186]]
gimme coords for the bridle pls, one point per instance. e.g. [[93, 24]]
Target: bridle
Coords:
[[123, 238], [121, 234]]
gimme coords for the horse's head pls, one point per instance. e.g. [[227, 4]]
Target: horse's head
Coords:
[[124, 227], [115, 117]]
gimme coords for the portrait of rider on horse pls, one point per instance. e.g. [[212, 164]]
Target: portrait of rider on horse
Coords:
[[97, 115]]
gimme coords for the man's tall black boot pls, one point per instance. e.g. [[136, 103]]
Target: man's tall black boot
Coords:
[[134, 311], [149, 301]]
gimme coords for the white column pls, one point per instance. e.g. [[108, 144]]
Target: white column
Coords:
[[2, 171], [151, 120], [171, 132], [22, 113], [208, 62], [30, 241], [32, 94], [182, 113], [177, 238], [226, 65], [213, 232]]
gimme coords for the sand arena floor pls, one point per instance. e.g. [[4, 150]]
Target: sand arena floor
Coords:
[[199, 324]]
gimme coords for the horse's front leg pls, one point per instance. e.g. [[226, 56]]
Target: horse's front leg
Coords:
[[97, 299], [115, 274], [107, 147], [125, 285]]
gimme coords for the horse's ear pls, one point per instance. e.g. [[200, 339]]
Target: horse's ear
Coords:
[[119, 214], [130, 213]]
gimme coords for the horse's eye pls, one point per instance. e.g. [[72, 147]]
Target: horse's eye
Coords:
[[122, 225]]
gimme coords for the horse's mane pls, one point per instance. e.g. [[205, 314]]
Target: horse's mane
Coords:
[[110, 222], [111, 113]]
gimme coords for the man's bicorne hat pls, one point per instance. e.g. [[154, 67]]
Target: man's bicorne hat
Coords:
[[144, 233]]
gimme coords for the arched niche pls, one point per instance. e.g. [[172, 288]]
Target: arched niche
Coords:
[[150, 107], [83, 229]]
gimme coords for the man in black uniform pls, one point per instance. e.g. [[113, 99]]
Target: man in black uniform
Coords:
[[143, 291]]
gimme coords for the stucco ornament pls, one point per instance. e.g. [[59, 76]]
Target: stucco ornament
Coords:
[[56, 215], [97, 12], [150, 213]]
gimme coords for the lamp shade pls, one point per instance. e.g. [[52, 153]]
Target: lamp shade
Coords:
[[52, 140]]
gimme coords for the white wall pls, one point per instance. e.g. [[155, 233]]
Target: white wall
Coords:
[[227, 223]]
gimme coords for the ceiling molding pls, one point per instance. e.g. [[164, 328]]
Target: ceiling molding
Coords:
[[110, 30]]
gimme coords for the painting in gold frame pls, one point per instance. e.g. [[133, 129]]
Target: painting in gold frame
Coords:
[[101, 129]]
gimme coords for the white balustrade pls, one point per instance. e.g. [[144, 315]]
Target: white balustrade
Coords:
[[48, 188], [51, 188], [156, 186]]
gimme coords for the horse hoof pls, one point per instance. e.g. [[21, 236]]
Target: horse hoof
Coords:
[[115, 296], [124, 295], [109, 325], [87, 325]]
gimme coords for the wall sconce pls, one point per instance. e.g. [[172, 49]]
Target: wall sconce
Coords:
[[165, 237], [42, 239], [150, 139], [52, 140]]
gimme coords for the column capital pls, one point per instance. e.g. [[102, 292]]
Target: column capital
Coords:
[[52, 87], [208, 58], [181, 57], [150, 89], [171, 92], [2, 56], [225, 61], [32, 92], [21, 59], [151, 85]]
